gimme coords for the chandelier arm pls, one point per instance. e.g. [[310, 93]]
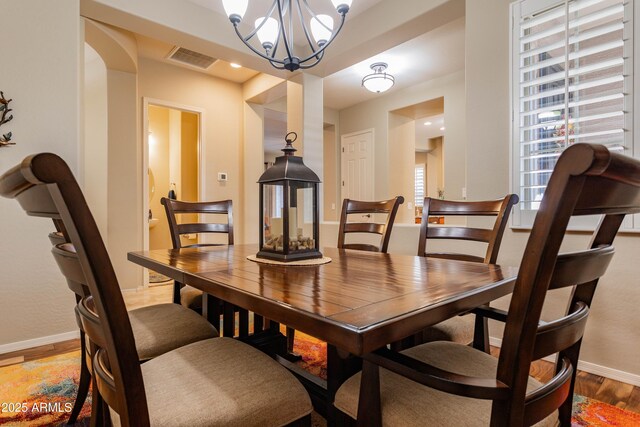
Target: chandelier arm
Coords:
[[318, 57], [321, 50], [291, 34], [276, 65], [256, 51], [283, 33], [304, 27], [255, 30]]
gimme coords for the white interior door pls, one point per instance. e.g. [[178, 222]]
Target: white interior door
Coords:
[[357, 166]]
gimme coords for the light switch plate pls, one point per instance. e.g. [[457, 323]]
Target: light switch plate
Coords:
[[222, 176]]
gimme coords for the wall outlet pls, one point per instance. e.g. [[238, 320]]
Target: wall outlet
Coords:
[[464, 192], [222, 176], [333, 206], [410, 205]]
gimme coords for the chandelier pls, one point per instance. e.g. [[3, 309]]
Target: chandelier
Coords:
[[379, 80], [275, 30]]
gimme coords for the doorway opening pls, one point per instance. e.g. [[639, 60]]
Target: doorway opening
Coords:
[[416, 160], [172, 159]]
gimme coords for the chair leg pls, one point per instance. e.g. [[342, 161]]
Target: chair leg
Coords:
[[566, 408], [97, 408], [85, 381]]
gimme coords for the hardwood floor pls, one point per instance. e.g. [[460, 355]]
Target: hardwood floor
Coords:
[[606, 390], [622, 395]]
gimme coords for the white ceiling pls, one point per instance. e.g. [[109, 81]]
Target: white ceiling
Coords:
[[426, 132], [318, 6], [158, 51], [429, 56], [420, 39]]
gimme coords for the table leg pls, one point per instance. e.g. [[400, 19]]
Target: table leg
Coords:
[[211, 310]]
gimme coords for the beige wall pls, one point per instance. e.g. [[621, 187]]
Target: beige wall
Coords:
[[610, 345], [189, 156], [222, 103], [401, 164], [159, 161], [95, 139], [41, 73], [375, 114], [330, 186], [330, 175], [123, 151], [435, 161]]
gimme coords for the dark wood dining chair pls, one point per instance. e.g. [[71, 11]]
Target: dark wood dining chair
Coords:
[[464, 329], [217, 381], [445, 383], [157, 329], [80, 291], [368, 209], [183, 219]]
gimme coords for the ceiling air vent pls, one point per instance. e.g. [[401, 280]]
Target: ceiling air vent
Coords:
[[189, 57]]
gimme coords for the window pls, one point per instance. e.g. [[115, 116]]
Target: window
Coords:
[[419, 186], [572, 82]]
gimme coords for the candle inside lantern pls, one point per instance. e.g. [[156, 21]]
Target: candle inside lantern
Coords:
[[293, 223]]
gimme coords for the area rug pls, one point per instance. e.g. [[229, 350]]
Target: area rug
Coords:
[[155, 277], [42, 392]]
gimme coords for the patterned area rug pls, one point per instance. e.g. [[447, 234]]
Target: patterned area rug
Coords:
[[42, 392]]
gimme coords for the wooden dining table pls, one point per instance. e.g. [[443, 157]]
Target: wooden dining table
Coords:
[[357, 303]]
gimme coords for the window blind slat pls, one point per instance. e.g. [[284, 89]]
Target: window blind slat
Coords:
[[577, 87], [572, 84]]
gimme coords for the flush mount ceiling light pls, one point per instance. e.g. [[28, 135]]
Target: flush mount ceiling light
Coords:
[[378, 81], [274, 30]]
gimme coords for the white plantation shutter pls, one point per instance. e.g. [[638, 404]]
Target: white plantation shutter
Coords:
[[572, 82], [419, 185]]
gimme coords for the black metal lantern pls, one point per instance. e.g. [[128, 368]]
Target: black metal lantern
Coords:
[[289, 209]]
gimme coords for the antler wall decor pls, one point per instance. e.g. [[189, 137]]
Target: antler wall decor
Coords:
[[5, 139]]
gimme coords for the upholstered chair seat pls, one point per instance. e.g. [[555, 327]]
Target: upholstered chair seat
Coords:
[[458, 329], [221, 382], [191, 297], [407, 403], [163, 327]]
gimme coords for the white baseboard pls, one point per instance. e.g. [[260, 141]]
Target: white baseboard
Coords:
[[36, 342], [133, 290], [592, 368]]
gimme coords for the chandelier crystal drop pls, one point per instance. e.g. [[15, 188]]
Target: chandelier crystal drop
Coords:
[[272, 37]]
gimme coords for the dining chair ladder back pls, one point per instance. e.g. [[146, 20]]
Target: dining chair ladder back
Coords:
[[185, 220], [500, 209], [467, 328], [368, 209], [182, 224]]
